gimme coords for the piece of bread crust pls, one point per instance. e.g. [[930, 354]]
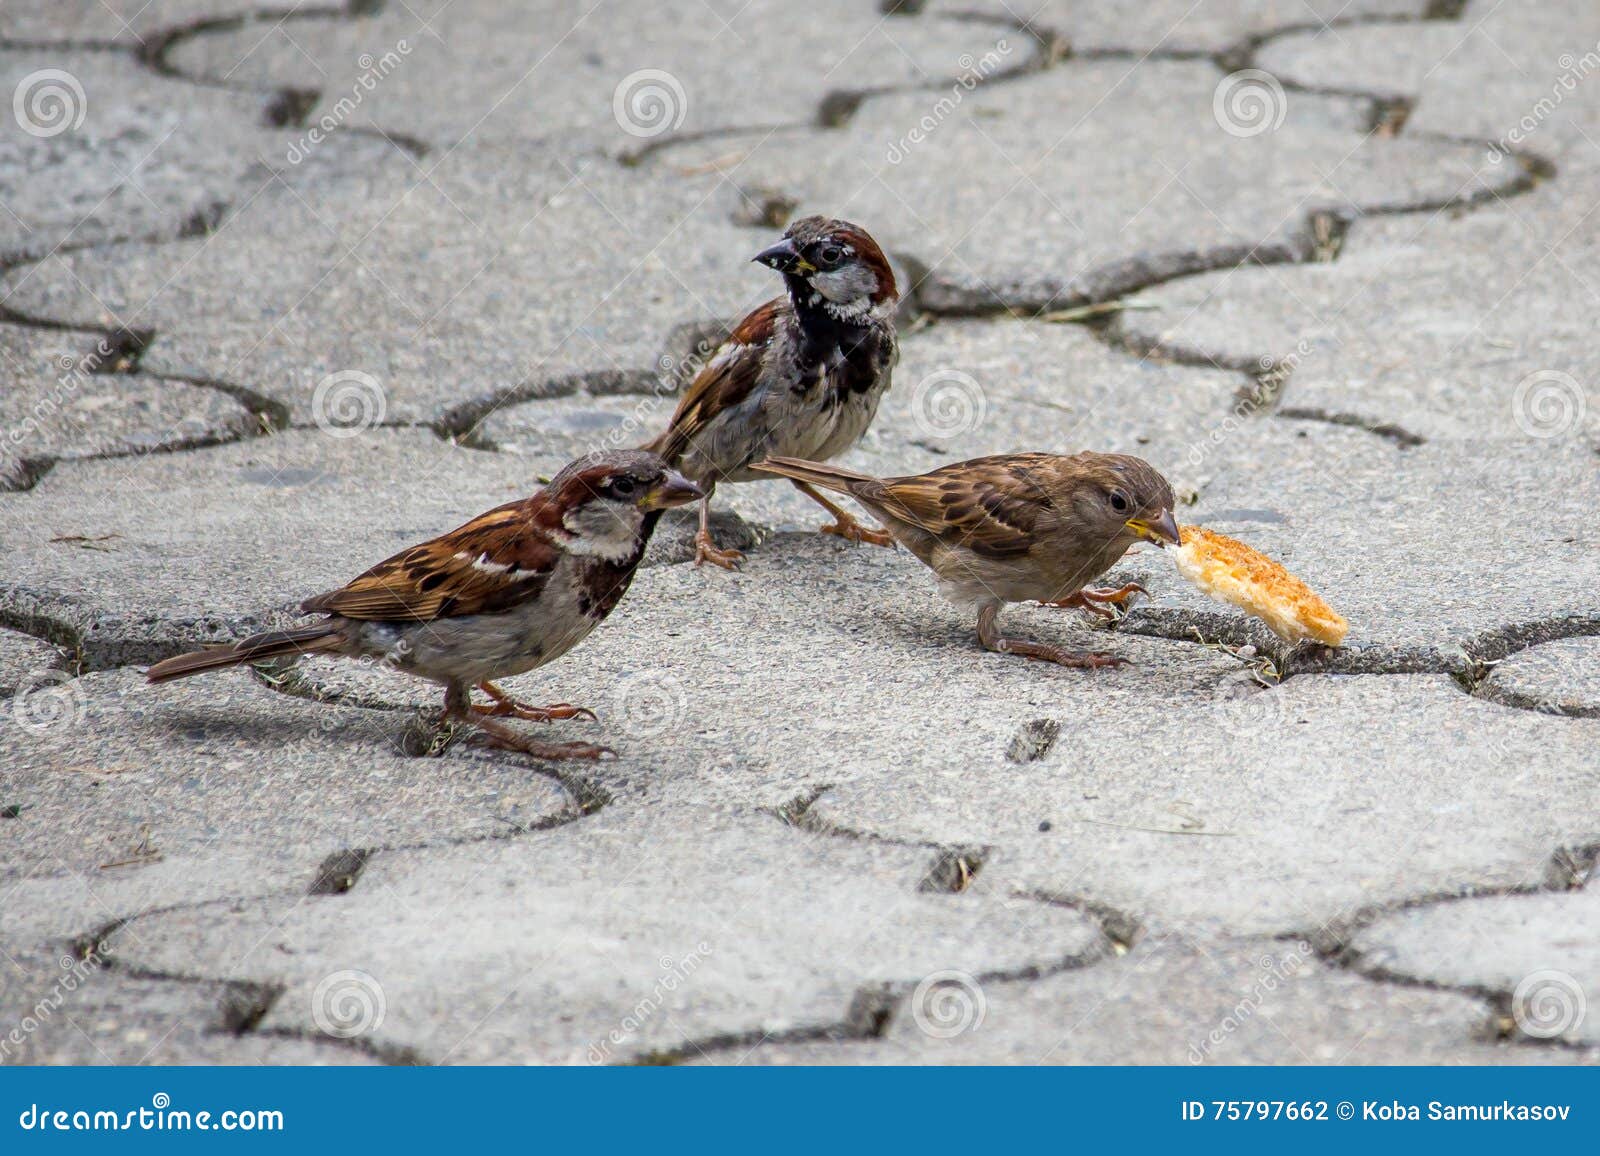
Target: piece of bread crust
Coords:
[[1232, 572]]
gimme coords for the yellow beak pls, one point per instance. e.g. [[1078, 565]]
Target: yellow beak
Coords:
[[1163, 531]]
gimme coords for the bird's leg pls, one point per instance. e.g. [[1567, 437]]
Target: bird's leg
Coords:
[[458, 708], [705, 550], [507, 707], [989, 636], [844, 525], [1094, 601]]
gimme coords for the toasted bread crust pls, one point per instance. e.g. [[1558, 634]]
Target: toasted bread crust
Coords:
[[1232, 572]]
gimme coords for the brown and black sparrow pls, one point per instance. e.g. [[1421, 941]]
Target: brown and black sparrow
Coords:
[[1016, 528], [511, 590], [799, 377]]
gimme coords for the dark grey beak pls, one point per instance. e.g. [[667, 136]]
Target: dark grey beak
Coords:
[[672, 490], [785, 258]]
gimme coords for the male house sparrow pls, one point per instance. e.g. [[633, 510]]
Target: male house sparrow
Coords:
[[1016, 528], [801, 376], [512, 589]]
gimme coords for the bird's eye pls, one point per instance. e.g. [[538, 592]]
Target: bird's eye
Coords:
[[623, 487], [1119, 501], [831, 254]]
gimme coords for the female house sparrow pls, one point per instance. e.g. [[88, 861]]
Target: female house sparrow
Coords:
[[512, 589], [800, 376], [1016, 528]]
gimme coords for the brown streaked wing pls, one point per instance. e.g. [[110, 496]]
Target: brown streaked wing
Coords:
[[990, 505], [725, 380], [491, 563]]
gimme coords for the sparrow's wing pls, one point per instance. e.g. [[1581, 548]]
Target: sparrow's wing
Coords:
[[492, 563], [723, 382], [992, 506]]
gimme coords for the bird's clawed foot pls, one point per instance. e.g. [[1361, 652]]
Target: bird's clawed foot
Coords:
[[705, 550], [499, 735], [1060, 655], [1099, 602], [851, 530], [505, 706]]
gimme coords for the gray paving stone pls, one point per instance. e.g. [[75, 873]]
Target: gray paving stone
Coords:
[[56, 1008], [104, 148], [1511, 75], [58, 401], [622, 935], [1176, 1000], [121, 776], [25, 661], [1542, 951], [1166, 26], [1031, 224], [402, 295], [130, 23], [1561, 677], [1285, 810], [1424, 327], [551, 72]]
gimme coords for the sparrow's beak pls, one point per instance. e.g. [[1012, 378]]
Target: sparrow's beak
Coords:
[[1163, 531], [785, 258], [672, 490]]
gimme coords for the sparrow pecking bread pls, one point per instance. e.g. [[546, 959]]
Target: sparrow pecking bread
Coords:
[[511, 590], [1016, 528], [800, 377]]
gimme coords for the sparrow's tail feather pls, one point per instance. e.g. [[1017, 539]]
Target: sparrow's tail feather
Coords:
[[835, 478], [274, 644]]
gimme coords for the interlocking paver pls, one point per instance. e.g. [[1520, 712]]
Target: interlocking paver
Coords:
[[616, 936], [1174, 1000], [1543, 951], [1560, 677], [546, 72], [1169, 26], [1087, 180]]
